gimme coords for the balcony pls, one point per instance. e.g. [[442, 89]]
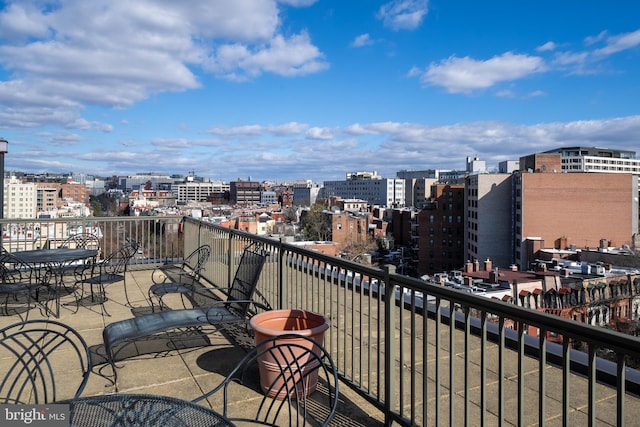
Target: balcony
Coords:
[[408, 352]]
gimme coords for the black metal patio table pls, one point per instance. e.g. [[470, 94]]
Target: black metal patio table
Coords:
[[55, 261], [123, 410]]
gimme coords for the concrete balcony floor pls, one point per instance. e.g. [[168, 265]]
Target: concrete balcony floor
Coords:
[[186, 373]]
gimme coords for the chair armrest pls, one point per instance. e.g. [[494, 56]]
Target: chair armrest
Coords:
[[240, 301]]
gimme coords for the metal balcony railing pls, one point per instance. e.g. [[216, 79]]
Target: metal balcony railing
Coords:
[[158, 237], [422, 353], [429, 355]]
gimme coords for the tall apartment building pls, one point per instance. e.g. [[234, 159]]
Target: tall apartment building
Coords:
[[369, 186], [20, 199], [47, 199], [441, 230], [510, 217], [488, 227], [572, 210]]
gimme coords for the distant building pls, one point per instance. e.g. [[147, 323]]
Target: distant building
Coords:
[[245, 192], [347, 228], [508, 166], [20, 199], [597, 159], [352, 205], [285, 198], [305, 193], [128, 183], [476, 166], [268, 198], [572, 210], [488, 226], [368, 186], [402, 221], [199, 191], [75, 191], [96, 186], [47, 197], [440, 231]]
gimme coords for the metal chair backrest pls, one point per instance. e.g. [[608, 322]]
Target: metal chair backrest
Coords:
[[245, 281], [13, 270], [196, 260], [37, 354], [116, 262], [298, 380], [81, 241]]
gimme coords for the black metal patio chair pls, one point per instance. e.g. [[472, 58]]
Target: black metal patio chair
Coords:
[[111, 270], [20, 284], [80, 241], [298, 380], [237, 306], [178, 279], [39, 355]]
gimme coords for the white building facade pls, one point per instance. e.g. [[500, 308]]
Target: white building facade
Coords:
[[199, 191], [368, 186], [20, 199]]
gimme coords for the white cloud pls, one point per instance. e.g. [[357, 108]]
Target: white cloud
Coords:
[[467, 74], [619, 43], [385, 146], [548, 46], [297, 3], [403, 14], [595, 39], [362, 40], [115, 54], [571, 58], [320, 133]]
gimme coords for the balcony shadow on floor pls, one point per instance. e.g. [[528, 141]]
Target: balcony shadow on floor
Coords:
[[152, 347], [222, 360]]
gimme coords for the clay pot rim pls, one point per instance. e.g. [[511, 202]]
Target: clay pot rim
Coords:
[[255, 324]]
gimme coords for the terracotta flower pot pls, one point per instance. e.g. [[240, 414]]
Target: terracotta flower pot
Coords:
[[274, 323]]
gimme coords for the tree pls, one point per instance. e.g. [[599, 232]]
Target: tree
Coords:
[[290, 214], [96, 208], [315, 225]]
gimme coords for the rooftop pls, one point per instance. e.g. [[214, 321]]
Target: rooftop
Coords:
[[186, 373]]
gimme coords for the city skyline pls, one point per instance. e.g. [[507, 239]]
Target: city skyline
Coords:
[[304, 89]]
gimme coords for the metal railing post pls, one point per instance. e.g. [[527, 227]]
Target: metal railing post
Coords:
[[389, 342], [230, 268], [281, 288]]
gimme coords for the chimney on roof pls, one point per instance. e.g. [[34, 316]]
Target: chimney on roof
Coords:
[[468, 267], [476, 265], [488, 265], [493, 276]]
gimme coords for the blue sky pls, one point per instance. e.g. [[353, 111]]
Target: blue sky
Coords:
[[311, 89]]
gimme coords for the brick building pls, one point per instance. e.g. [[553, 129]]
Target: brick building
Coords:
[[441, 230], [75, 191], [572, 210], [347, 229]]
